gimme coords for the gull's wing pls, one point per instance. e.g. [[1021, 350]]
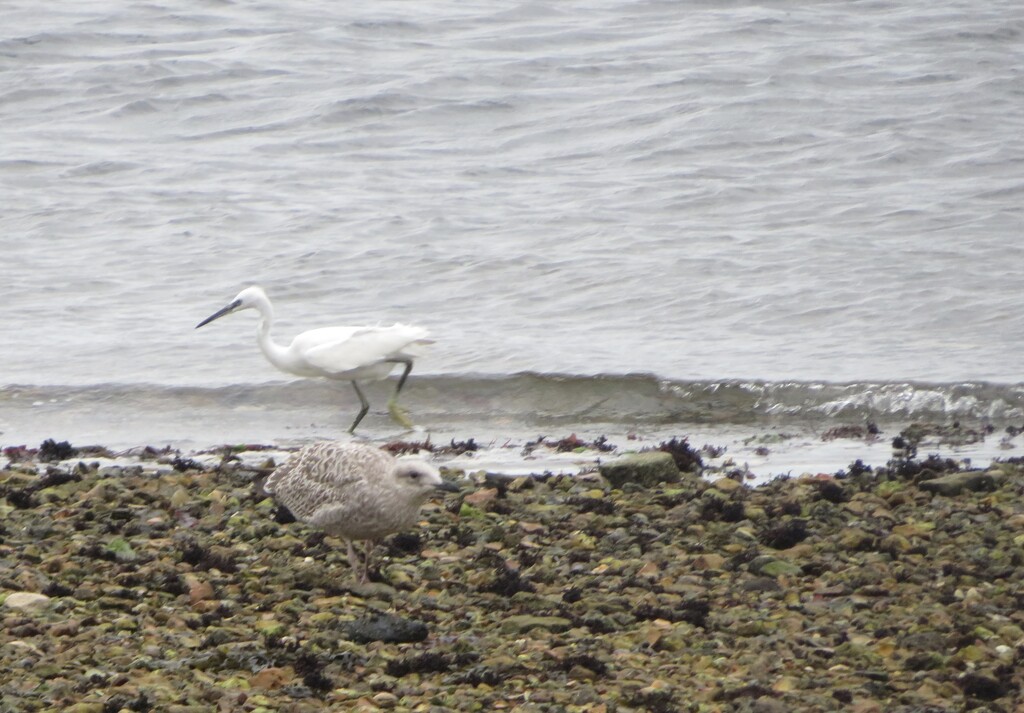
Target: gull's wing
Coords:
[[324, 475]]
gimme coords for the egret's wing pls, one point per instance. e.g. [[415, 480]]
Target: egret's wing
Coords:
[[364, 346]]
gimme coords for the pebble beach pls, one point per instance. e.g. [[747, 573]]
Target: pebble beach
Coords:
[[751, 270], [175, 584]]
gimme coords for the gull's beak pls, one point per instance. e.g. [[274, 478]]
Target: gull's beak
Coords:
[[220, 313], [447, 487]]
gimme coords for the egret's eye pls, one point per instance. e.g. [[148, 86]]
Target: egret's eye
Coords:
[[414, 475]]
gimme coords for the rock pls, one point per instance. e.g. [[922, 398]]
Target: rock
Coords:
[[385, 699], [372, 590], [467, 510], [896, 544], [727, 485], [122, 550], [709, 560], [271, 678], [647, 469], [522, 623], [95, 707], [26, 601], [198, 590], [384, 627], [854, 539], [769, 705], [981, 686], [180, 498], [924, 661], [482, 499], [65, 628], [760, 584], [771, 567], [270, 627], [955, 483]]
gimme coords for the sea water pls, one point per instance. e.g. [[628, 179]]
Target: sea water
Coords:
[[813, 209]]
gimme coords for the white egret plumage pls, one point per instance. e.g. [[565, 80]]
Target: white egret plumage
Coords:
[[355, 491], [352, 354]]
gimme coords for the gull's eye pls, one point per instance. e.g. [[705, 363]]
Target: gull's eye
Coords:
[[414, 475]]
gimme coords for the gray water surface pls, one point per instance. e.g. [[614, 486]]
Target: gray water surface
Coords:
[[822, 193]]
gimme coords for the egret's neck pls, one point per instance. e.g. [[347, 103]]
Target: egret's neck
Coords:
[[274, 352]]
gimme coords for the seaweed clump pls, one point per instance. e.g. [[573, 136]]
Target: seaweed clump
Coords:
[[51, 451], [687, 459]]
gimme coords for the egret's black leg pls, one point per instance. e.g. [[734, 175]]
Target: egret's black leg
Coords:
[[362, 411], [405, 373]]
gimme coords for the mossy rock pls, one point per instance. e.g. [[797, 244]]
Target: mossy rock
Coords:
[[771, 567], [647, 469], [955, 483], [522, 623]]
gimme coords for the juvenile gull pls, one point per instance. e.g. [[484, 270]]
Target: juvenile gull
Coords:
[[355, 491], [345, 353]]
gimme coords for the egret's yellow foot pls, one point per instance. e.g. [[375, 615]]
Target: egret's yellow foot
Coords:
[[398, 414]]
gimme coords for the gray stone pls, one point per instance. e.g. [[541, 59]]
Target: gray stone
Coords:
[[384, 627], [646, 469], [26, 601], [955, 483], [771, 567], [522, 623]]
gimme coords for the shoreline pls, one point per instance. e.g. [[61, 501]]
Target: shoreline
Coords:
[[788, 419], [762, 452], [173, 584]]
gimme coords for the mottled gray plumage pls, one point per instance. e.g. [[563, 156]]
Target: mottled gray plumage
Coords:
[[354, 491]]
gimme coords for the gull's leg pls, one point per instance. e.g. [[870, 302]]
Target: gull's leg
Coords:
[[396, 411], [362, 411], [371, 545], [353, 559]]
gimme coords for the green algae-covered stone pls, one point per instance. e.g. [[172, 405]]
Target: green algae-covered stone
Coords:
[[647, 469]]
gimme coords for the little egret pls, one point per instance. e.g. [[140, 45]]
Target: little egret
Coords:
[[344, 353], [355, 491]]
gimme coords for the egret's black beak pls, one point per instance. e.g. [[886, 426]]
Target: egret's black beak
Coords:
[[448, 487], [220, 313]]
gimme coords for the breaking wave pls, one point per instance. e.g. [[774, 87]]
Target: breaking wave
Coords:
[[548, 398]]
